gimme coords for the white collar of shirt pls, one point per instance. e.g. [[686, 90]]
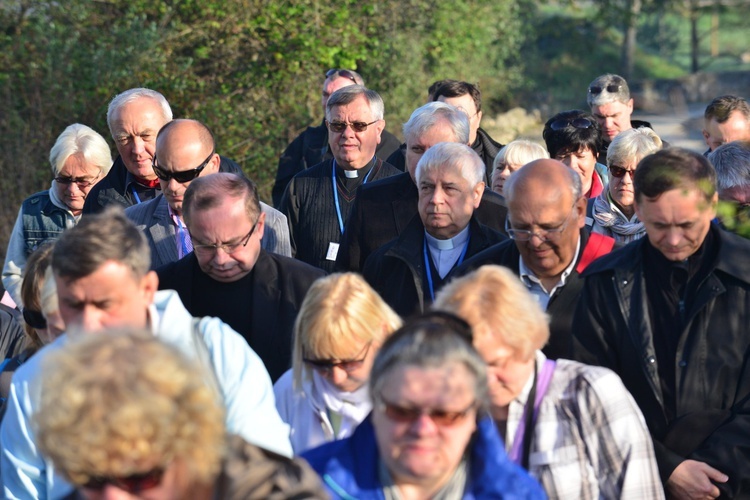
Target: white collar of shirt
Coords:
[[445, 253], [153, 319], [534, 284]]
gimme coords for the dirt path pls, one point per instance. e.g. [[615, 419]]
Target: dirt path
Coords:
[[681, 128]]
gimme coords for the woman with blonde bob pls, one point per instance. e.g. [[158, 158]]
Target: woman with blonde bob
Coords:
[[340, 327], [572, 426], [511, 157]]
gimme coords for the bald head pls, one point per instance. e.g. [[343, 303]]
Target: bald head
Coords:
[[185, 133], [550, 176]]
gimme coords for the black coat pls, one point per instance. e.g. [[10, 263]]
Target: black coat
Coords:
[[382, 211], [278, 284], [397, 270], [712, 366], [561, 305], [310, 148]]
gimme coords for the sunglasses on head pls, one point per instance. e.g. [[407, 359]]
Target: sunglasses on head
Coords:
[[620, 172], [183, 176], [562, 123], [612, 88], [339, 126], [345, 73], [133, 484]]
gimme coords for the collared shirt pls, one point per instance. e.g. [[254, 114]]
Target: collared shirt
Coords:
[[590, 439], [445, 253], [534, 284]]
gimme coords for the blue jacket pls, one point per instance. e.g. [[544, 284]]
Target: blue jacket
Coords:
[[349, 467]]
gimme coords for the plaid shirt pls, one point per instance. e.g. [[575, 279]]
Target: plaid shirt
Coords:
[[590, 439]]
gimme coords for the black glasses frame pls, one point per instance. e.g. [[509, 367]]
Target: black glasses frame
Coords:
[[562, 123], [341, 72], [612, 88], [339, 127], [348, 365], [183, 176]]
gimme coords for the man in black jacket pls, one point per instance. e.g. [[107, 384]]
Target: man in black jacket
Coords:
[[229, 276], [669, 313], [311, 146], [383, 209]]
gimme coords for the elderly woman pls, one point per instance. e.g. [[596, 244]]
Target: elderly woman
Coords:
[[124, 415], [574, 427], [427, 436], [80, 158], [613, 210], [340, 327], [511, 157]]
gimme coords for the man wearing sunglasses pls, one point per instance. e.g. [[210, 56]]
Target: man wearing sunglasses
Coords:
[[185, 150], [318, 200], [311, 146], [550, 244], [230, 276]]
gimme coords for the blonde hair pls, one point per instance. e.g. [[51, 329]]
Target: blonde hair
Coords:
[[518, 152], [496, 304], [338, 311], [117, 401]]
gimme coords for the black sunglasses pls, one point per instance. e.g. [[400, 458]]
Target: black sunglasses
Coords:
[[338, 126], [562, 123], [348, 365], [612, 88], [185, 175], [35, 319], [341, 72], [620, 172], [133, 484]]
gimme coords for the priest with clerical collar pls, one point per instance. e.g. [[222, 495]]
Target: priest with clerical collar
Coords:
[[408, 271], [318, 200]]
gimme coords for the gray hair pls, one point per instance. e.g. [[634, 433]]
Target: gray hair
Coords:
[[732, 164], [80, 139], [432, 341], [605, 97], [348, 94], [453, 155], [210, 191], [519, 152], [632, 145], [133, 94], [575, 186], [425, 117]]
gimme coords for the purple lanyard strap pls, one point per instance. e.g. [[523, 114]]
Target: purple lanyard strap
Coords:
[[542, 384]]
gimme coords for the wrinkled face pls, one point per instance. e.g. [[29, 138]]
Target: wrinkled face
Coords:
[[134, 129], [354, 150], [621, 188], [227, 225], [583, 162], [331, 86], [466, 104], [736, 128], [110, 296], [351, 370], [677, 221], [76, 168], [613, 117], [416, 147], [501, 174], [539, 208], [447, 201], [507, 375], [419, 450], [175, 155]]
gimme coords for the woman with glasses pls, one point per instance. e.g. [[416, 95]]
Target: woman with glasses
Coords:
[[613, 211], [512, 157], [80, 158], [428, 435], [340, 327]]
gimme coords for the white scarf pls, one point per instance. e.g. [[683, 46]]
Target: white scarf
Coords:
[[352, 406], [608, 215]]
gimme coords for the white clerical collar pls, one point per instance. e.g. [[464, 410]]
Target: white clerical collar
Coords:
[[449, 244], [351, 174]]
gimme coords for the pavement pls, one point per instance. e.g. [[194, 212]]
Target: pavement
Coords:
[[681, 127]]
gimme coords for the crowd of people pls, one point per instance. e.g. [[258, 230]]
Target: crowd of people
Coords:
[[445, 318]]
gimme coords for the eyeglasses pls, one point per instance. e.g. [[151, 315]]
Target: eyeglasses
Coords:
[[185, 175], [348, 365], [132, 484], [544, 235], [339, 126], [620, 172], [442, 418], [562, 123], [81, 182], [341, 72], [35, 319], [205, 249], [612, 88]]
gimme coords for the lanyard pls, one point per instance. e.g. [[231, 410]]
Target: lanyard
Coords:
[[528, 418], [336, 193], [185, 242], [428, 269], [135, 194]]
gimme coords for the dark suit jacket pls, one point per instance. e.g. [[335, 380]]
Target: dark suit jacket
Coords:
[[383, 209], [279, 285]]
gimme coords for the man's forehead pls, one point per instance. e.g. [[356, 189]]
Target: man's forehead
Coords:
[[359, 106]]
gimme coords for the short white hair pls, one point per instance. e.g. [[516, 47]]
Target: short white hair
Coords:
[[519, 152], [456, 156], [732, 164], [133, 94], [632, 145], [425, 117], [83, 140]]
